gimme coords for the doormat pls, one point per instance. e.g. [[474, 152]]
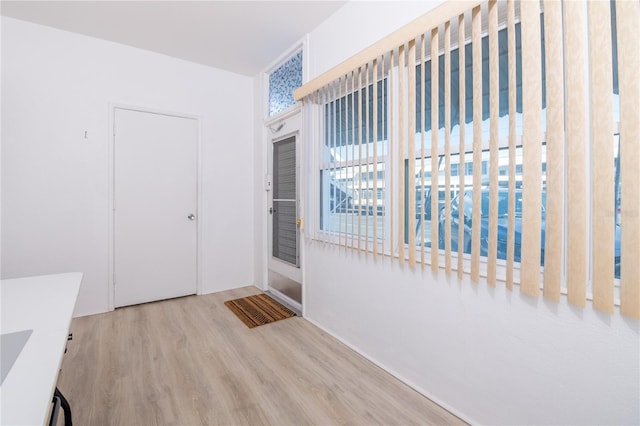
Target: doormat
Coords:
[[258, 310]]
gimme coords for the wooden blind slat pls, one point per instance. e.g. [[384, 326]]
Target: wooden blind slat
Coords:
[[575, 65], [554, 226], [411, 204], [462, 101], [401, 171], [435, 109], [602, 160], [447, 150], [511, 219], [532, 148], [476, 40], [628, 16], [375, 158], [494, 108]]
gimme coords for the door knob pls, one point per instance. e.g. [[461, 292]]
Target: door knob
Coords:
[[191, 217]]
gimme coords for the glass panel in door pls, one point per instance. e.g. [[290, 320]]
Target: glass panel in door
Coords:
[[285, 230]]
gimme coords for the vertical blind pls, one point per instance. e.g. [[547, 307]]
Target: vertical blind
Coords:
[[495, 139]]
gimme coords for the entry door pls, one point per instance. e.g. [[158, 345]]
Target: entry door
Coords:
[[284, 275], [155, 205]]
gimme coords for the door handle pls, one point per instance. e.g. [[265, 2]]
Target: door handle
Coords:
[[191, 217]]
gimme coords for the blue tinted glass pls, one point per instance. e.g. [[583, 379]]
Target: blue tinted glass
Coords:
[[282, 82]]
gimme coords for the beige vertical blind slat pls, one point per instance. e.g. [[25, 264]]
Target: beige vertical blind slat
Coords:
[[511, 218], [575, 65], [352, 217], [335, 95], [532, 148], [333, 134], [493, 143], [411, 148], [385, 156], [325, 123], [447, 150], [400, 163], [366, 135], [423, 122], [391, 161], [602, 159], [435, 87], [338, 170], [461, 142], [476, 48], [375, 158], [346, 151], [554, 219], [360, 141], [628, 16]]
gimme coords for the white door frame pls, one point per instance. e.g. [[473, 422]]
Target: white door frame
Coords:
[[276, 130], [111, 167]]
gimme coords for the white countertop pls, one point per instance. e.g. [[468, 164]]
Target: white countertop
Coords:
[[45, 305]]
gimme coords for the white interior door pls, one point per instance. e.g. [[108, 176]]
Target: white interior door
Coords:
[[155, 206]]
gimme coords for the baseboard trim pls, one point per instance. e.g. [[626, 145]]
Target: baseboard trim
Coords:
[[403, 379]]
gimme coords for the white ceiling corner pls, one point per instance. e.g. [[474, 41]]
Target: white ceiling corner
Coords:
[[238, 36]]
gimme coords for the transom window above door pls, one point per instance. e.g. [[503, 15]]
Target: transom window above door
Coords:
[[283, 80]]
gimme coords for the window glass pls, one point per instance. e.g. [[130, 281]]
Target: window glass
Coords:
[[349, 202], [424, 218], [282, 82]]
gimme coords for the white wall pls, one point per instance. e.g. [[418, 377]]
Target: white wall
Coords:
[[260, 246], [0, 147], [55, 86], [489, 355]]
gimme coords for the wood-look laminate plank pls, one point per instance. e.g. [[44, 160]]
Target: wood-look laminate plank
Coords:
[[190, 361]]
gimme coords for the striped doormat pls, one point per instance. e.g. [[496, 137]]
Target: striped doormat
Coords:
[[258, 310]]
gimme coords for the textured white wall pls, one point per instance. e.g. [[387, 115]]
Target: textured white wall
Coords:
[[55, 218], [489, 355]]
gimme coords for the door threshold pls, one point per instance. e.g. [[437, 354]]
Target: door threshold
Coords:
[[285, 300]]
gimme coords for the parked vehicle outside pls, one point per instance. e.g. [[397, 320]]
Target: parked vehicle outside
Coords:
[[503, 205]]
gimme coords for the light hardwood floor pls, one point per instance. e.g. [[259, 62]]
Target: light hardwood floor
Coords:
[[190, 361]]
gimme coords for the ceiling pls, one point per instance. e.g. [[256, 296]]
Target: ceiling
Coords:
[[240, 36]]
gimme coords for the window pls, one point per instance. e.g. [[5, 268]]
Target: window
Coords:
[[495, 154], [466, 190], [282, 82], [352, 178]]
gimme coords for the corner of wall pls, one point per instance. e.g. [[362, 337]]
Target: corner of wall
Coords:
[[259, 227]]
